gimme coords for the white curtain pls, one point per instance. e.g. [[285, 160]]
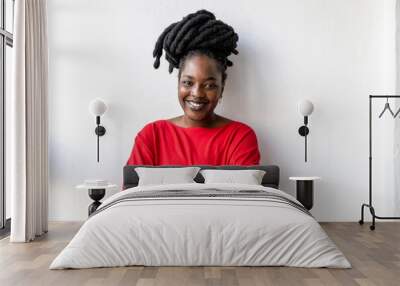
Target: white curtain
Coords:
[[396, 145], [29, 124]]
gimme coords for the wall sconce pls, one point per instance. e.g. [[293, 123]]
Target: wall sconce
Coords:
[[97, 107], [305, 108]]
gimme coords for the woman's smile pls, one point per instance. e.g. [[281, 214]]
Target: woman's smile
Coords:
[[196, 105]]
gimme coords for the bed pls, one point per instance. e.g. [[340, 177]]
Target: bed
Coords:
[[201, 224]]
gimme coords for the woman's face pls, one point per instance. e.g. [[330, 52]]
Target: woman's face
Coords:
[[200, 87]]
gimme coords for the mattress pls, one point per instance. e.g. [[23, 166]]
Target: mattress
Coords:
[[201, 225]]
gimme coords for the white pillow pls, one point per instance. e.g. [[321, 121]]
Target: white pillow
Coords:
[[163, 176], [249, 177]]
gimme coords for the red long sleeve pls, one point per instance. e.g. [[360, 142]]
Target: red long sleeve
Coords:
[[246, 151], [140, 154], [163, 143]]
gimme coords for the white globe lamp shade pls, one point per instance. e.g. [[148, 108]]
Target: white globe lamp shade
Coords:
[[97, 107], [305, 107]]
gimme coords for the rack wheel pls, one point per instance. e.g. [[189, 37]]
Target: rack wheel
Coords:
[[361, 222], [372, 227]]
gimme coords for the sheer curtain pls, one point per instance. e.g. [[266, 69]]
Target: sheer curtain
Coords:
[[396, 146], [29, 124]]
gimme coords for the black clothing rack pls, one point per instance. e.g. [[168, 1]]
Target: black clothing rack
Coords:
[[369, 205]]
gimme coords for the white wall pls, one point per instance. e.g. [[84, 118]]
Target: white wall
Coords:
[[334, 53]]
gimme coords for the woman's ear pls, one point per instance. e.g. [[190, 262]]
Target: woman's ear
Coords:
[[220, 96]]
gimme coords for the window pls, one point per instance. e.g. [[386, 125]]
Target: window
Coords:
[[6, 44]]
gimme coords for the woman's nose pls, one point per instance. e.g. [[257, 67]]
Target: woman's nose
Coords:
[[197, 92]]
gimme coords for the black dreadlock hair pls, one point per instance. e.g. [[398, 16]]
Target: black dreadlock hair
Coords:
[[196, 33]]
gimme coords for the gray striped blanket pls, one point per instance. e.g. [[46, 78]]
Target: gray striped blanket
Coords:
[[206, 194]]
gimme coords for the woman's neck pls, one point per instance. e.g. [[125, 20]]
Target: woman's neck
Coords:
[[207, 122]]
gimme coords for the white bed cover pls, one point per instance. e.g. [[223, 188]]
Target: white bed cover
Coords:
[[200, 231]]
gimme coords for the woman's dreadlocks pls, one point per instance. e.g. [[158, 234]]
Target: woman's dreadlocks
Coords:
[[196, 33]]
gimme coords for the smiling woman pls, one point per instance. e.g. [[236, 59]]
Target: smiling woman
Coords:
[[199, 46]]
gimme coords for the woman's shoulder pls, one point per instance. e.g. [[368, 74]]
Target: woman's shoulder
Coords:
[[240, 126], [152, 125], [241, 131], [150, 131], [155, 126]]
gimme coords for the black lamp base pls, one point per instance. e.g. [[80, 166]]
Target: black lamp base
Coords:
[[96, 195], [305, 193]]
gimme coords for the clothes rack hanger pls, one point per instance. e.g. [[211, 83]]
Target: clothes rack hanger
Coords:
[[369, 205], [387, 107]]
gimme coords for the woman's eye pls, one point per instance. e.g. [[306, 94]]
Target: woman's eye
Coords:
[[208, 86], [211, 85]]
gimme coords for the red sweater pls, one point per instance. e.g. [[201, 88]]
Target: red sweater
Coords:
[[163, 143]]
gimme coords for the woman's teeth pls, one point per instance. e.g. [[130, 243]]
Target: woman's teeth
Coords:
[[195, 106]]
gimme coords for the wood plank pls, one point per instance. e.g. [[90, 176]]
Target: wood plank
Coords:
[[375, 257]]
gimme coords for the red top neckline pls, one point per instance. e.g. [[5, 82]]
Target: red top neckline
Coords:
[[164, 143], [199, 127]]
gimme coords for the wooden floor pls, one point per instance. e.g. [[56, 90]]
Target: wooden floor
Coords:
[[375, 257]]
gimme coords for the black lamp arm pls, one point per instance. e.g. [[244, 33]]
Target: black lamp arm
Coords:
[[100, 131], [303, 131]]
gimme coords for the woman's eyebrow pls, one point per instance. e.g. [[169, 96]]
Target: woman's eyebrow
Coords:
[[209, 78]]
